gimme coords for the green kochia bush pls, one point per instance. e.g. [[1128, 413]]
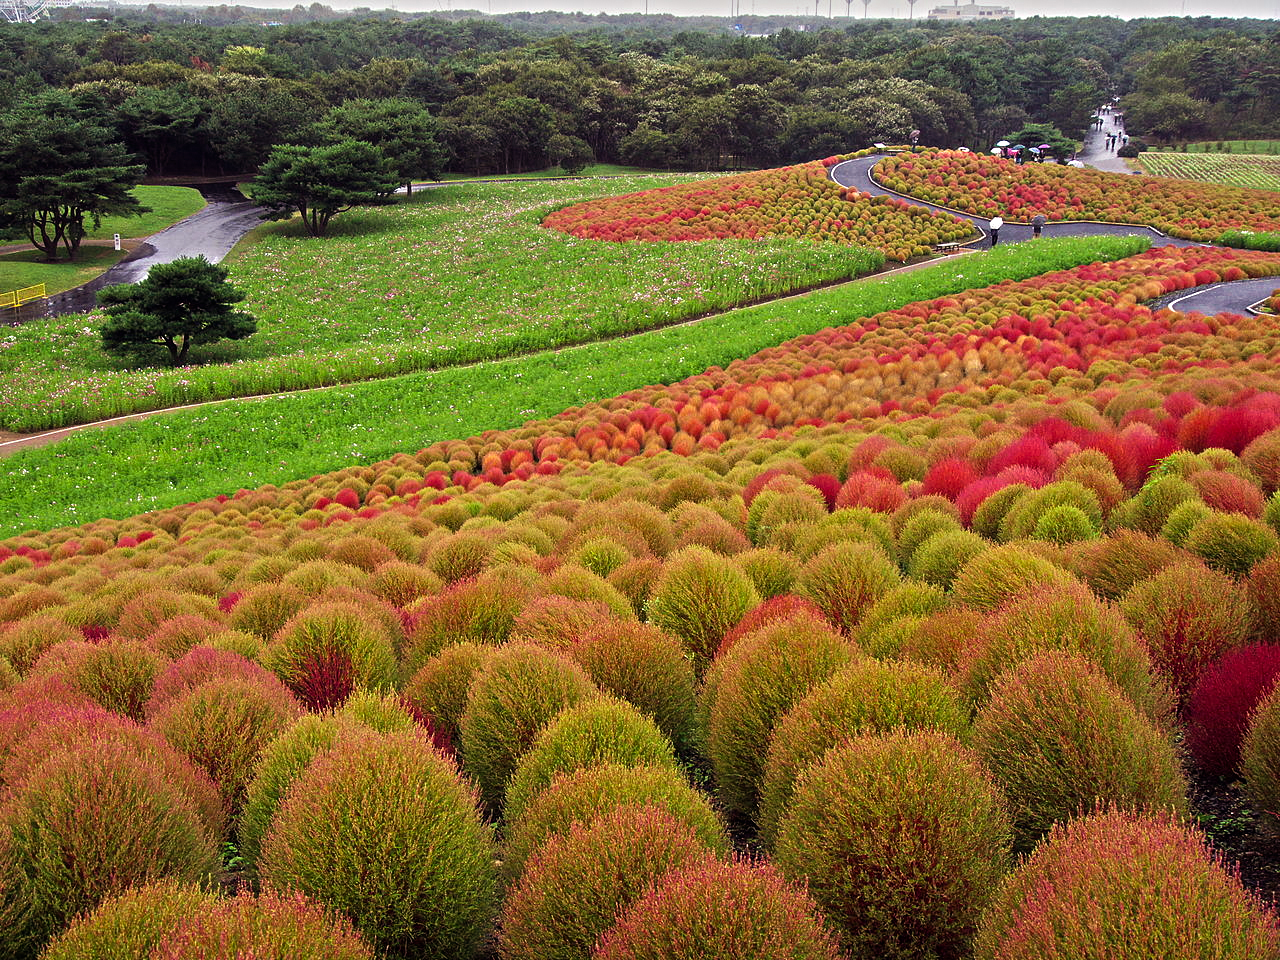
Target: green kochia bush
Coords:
[[268, 927], [901, 838], [1260, 760], [759, 680], [845, 579], [594, 732], [584, 794], [699, 597], [383, 829], [85, 825], [329, 649], [517, 691], [1230, 542], [865, 697], [130, 926], [576, 886], [721, 911], [439, 688], [1059, 738], [1120, 886], [1004, 573]]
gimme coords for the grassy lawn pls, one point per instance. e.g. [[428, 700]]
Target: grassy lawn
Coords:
[[26, 268], [188, 455], [1259, 172], [455, 275]]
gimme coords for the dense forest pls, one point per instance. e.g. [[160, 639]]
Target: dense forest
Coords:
[[211, 92]]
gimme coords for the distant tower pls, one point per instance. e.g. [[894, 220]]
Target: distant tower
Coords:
[[848, 8], [28, 11], [912, 14], [865, 5]]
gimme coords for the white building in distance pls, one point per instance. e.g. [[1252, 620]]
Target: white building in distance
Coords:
[[971, 11]]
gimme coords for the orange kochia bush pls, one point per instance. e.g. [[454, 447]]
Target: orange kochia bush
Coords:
[[796, 201]]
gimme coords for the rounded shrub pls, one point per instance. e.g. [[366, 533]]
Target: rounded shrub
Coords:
[[1263, 589], [1149, 510], [131, 925], [383, 829], [1230, 542], [399, 583], [262, 610], [118, 674], [23, 642], [1260, 760], [594, 732], [1190, 617], [200, 665], [987, 516], [759, 680], [901, 838], [90, 821], [582, 795], [845, 579], [271, 926], [1218, 711], [646, 667], [772, 572], [1005, 573], [575, 887], [909, 599], [557, 621], [1025, 516], [513, 696], [579, 583], [1182, 520], [1060, 739], [328, 649], [1112, 565], [721, 911], [439, 689], [864, 697], [175, 637], [920, 528], [1124, 886], [1063, 524], [1073, 620], [477, 611], [786, 607], [939, 559], [223, 724], [698, 598], [635, 580]]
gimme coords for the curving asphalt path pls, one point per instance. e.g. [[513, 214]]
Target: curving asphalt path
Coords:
[[857, 173], [211, 232], [1233, 296]]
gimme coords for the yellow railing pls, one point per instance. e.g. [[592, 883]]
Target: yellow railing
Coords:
[[16, 298]]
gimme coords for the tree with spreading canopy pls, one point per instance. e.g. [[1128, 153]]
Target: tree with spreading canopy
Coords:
[[404, 131], [321, 182], [59, 166], [181, 304]]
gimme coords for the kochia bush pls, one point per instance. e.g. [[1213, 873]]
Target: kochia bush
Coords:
[[1122, 886], [131, 925], [699, 597], [1260, 760], [1220, 706], [383, 829], [328, 649], [721, 911], [901, 838]]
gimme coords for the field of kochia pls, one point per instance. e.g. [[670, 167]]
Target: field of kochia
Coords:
[[1236, 170], [933, 616]]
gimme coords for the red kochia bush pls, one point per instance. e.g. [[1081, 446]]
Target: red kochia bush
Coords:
[[786, 606], [1118, 886], [1217, 714], [116, 674], [200, 665], [721, 911]]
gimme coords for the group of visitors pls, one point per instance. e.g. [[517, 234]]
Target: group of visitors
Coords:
[[1037, 227]]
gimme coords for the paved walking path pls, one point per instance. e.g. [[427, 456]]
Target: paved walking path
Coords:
[[858, 173], [1095, 153]]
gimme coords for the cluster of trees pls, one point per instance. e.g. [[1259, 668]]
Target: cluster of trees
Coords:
[[506, 96]]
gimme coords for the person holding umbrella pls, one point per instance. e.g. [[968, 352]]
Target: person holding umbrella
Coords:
[[1037, 224], [995, 225]]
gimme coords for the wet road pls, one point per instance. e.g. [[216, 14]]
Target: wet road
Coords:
[[857, 173], [1231, 297], [211, 232]]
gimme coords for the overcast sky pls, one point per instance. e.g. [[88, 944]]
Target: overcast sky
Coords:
[[880, 8]]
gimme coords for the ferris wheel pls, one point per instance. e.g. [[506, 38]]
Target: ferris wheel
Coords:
[[28, 11]]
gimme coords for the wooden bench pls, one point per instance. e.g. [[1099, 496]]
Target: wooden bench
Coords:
[[950, 247]]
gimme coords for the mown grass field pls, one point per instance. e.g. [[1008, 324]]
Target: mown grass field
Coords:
[[455, 275], [183, 456], [1257, 172], [1225, 146]]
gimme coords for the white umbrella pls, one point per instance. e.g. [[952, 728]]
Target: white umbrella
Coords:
[[995, 151], [1075, 163], [1002, 143]]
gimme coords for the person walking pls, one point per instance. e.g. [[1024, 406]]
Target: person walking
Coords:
[[995, 225], [1037, 224]]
